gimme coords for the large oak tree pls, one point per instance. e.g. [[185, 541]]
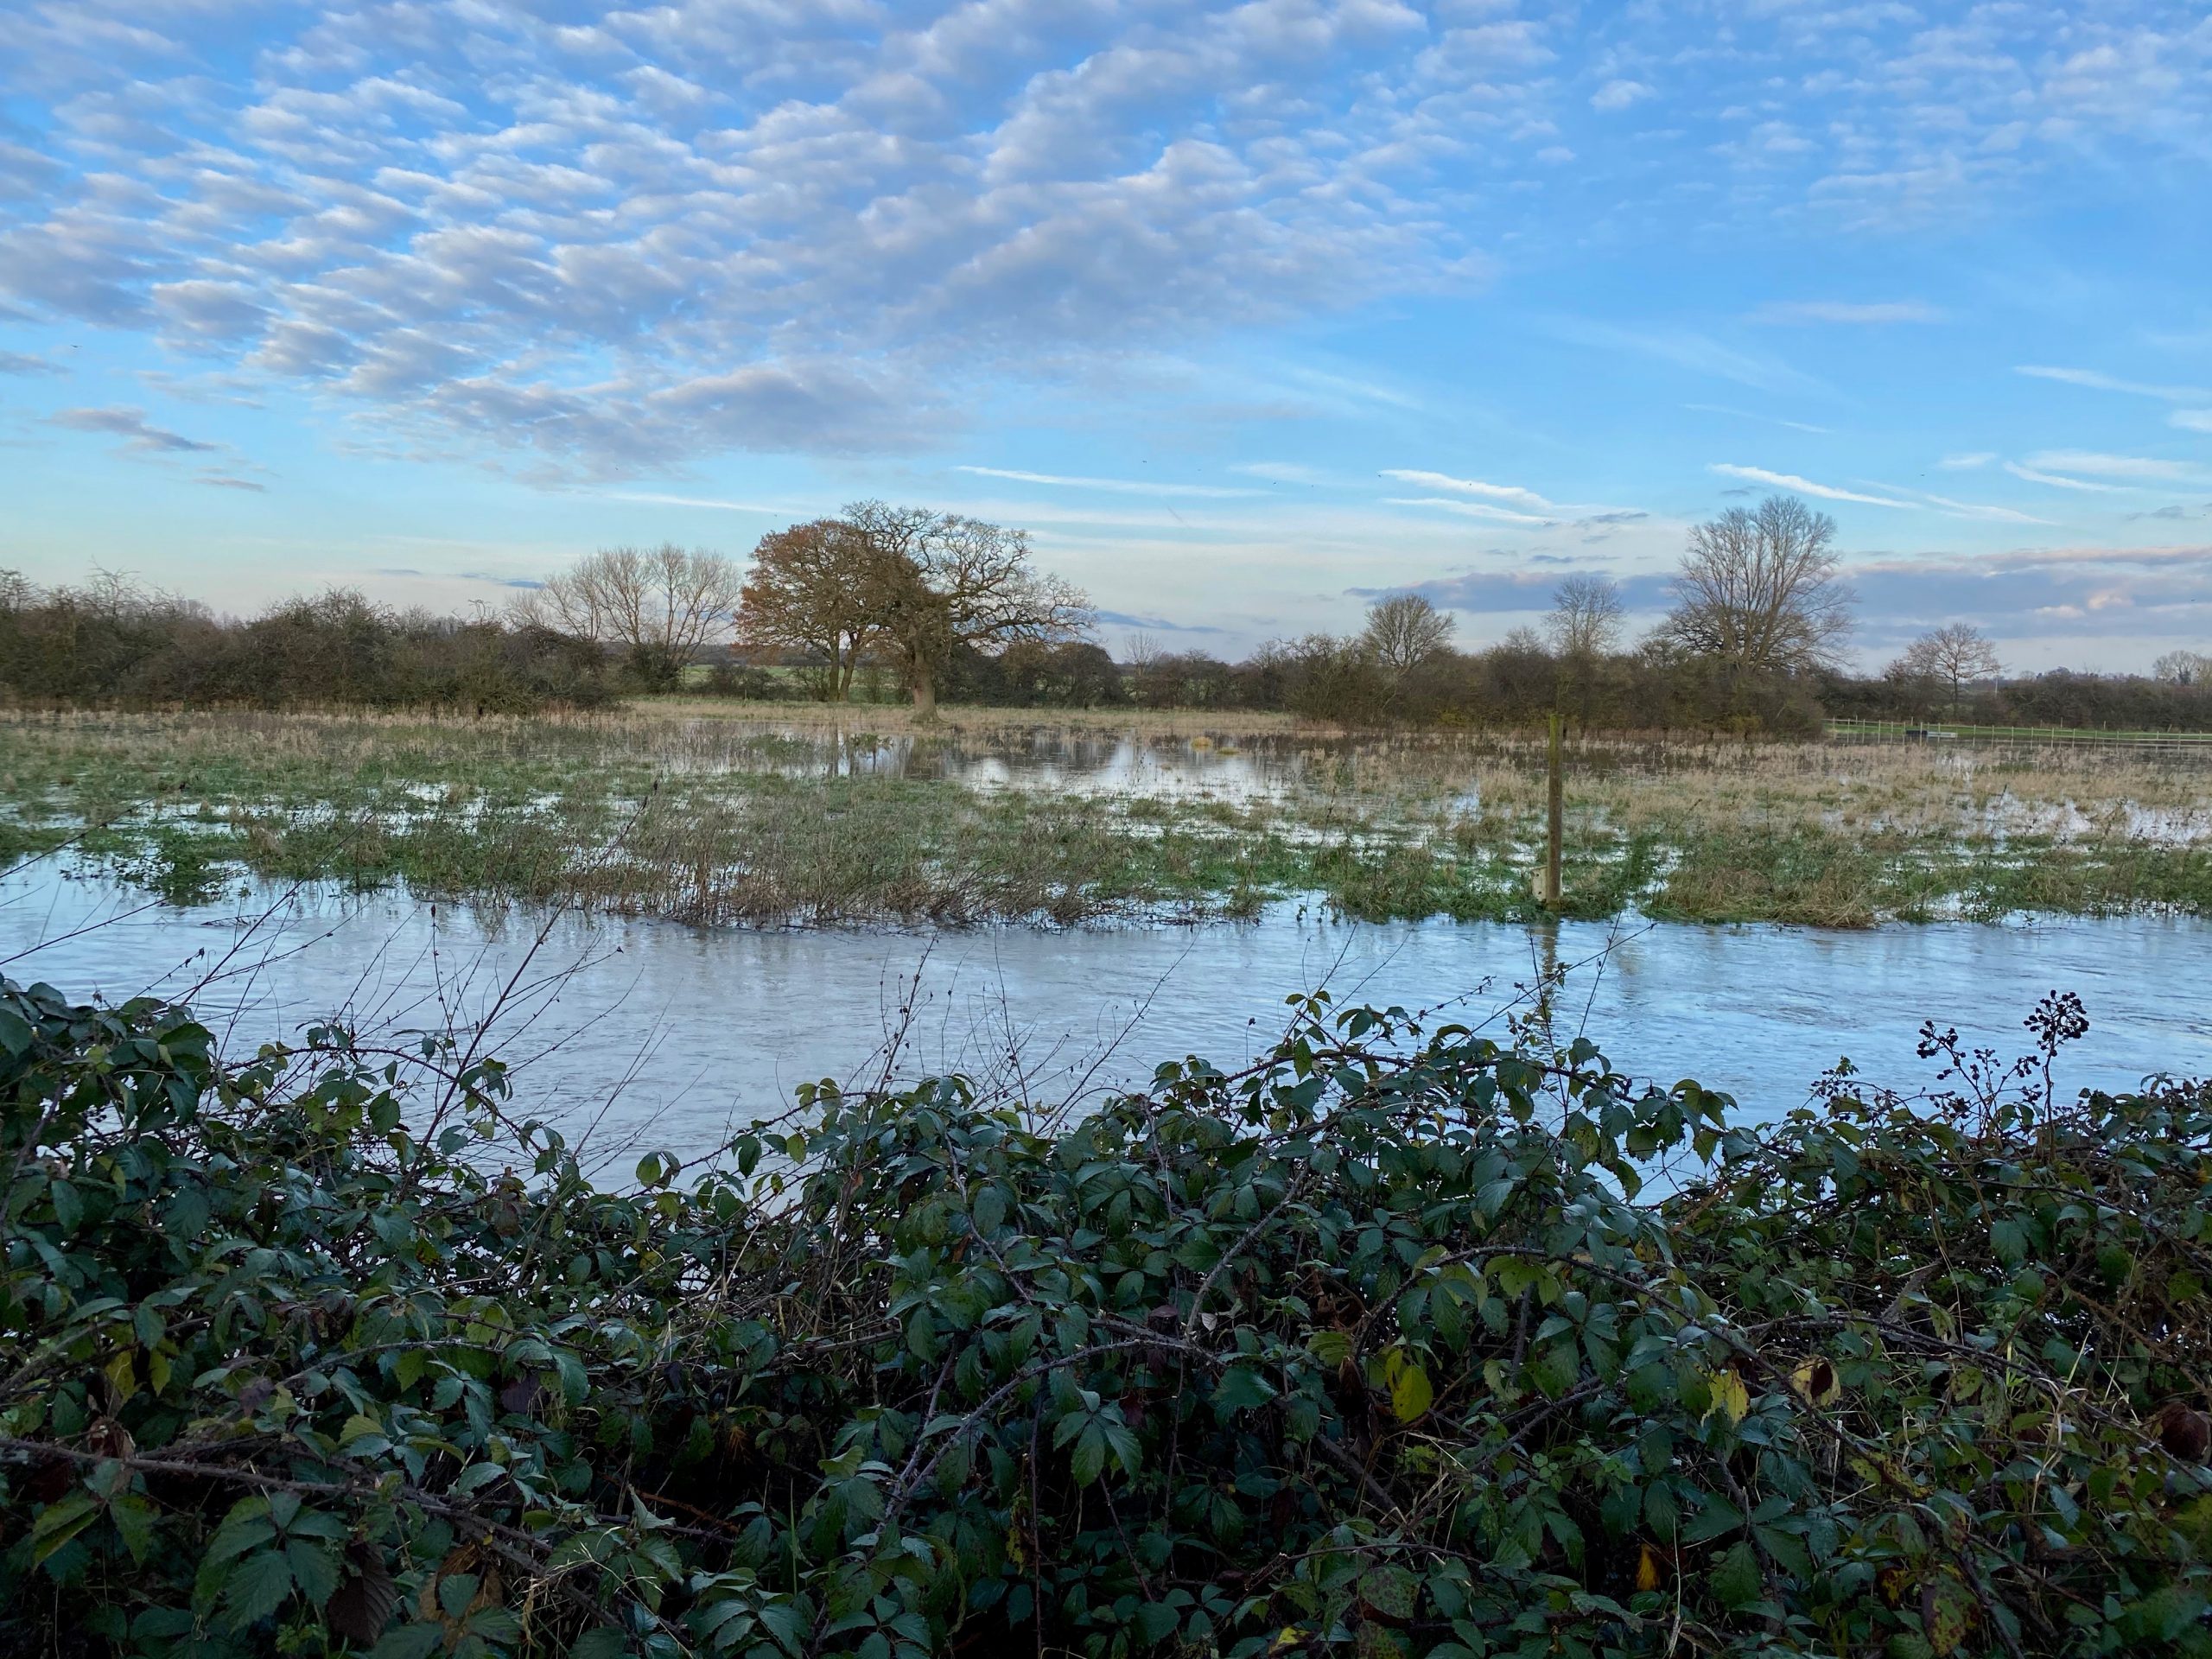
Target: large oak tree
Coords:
[[940, 581], [814, 587]]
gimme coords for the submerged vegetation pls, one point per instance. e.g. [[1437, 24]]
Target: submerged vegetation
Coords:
[[1382, 1346], [706, 812]]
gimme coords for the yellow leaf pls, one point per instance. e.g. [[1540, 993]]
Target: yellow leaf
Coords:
[[1411, 1392], [1647, 1569], [1815, 1382], [124, 1375], [1731, 1397]]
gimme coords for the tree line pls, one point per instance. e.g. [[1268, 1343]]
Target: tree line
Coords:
[[882, 601], [112, 641]]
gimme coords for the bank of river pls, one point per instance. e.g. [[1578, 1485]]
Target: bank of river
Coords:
[[649, 1032]]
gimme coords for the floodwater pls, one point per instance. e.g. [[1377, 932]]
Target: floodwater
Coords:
[[644, 1033], [1054, 760]]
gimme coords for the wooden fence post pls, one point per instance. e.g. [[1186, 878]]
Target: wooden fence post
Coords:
[[1556, 821]]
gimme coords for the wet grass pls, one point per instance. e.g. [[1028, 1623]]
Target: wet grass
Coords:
[[762, 818]]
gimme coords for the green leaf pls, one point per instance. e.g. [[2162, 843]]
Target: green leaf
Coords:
[[410, 1642], [1331, 1348], [1736, 1581], [990, 1210], [61, 1521], [1089, 1456], [314, 1569], [135, 1519], [1391, 1590], [574, 1384], [455, 1592], [1241, 1389], [256, 1587], [1718, 1517], [600, 1642], [1157, 1621]]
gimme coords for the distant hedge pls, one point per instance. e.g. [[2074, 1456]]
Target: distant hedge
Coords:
[[112, 644], [1376, 1347]]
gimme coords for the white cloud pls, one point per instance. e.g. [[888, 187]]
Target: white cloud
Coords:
[[2192, 420], [1618, 95], [1764, 420], [127, 422], [1968, 461], [1847, 311], [1285, 471], [1803, 486], [1112, 486], [2104, 466], [2098, 381], [1469, 509], [1512, 493], [1982, 509], [1687, 348], [2034, 475], [713, 503]]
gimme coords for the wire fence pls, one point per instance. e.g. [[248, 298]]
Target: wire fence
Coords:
[[1898, 731]]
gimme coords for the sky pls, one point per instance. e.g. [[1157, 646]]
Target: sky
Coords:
[[1247, 313]]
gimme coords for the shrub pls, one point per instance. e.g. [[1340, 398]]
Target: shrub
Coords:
[[1377, 1346]]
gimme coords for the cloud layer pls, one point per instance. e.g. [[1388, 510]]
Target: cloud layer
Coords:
[[611, 239]]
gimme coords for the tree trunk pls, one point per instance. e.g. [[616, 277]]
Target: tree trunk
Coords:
[[924, 685]]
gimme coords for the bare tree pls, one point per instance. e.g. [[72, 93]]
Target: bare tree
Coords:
[[660, 604], [1142, 655], [940, 581], [1585, 616], [2183, 668], [1405, 631], [1955, 655], [812, 588], [1759, 590]]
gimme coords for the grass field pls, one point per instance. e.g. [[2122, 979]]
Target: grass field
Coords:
[[705, 811]]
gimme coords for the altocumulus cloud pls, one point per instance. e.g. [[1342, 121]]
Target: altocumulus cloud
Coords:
[[612, 239], [129, 423]]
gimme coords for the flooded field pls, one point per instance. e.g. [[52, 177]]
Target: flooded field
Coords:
[[786, 814], [649, 1033]]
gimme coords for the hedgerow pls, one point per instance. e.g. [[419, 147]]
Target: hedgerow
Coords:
[[1380, 1345]]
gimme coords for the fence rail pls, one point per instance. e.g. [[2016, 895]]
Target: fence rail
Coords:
[[1946, 731]]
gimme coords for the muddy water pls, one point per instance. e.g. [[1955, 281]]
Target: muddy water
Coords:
[[637, 1031]]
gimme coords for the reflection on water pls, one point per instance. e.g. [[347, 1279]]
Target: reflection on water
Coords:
[[1062, 761], [654, 1031]]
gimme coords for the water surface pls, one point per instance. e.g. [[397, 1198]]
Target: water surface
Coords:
[[637, 1031]]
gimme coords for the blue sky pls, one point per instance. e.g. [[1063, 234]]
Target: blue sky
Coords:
[[1244, 311]]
